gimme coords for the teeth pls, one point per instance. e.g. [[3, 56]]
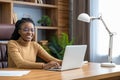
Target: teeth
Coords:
[[29, 37]]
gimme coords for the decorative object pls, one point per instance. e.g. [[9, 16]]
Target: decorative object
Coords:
[[44, 42], [86, 18], [45, 20], [40, 1], [15, 18]]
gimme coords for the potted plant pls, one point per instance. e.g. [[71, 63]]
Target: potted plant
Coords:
[[44, 21], [56, 46]]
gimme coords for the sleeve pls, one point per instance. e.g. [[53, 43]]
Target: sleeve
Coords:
[[14, 54], [42, 53]]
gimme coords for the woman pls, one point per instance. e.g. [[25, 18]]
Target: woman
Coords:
[[22, 51]]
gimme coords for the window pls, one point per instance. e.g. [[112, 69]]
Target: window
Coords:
[[109, 9]]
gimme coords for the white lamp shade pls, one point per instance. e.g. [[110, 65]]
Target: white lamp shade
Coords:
[[84, 17]]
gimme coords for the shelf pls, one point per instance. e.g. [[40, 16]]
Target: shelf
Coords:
[[34, 4], [21, 3], [55, 9], [50, 28], [46, 31], [5, 0]]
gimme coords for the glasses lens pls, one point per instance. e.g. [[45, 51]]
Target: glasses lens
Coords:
[[27, 29]]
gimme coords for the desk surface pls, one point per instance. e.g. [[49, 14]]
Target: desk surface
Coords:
[[89, 71]]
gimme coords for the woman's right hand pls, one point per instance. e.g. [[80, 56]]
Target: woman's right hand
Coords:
[[51, 64]]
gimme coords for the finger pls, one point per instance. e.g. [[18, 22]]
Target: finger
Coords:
[[47, 66], [52, 64], [56, 65]]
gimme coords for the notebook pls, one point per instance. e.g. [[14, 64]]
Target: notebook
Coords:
[[73, 57]]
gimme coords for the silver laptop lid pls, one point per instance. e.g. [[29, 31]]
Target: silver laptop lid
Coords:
[[73, 56]]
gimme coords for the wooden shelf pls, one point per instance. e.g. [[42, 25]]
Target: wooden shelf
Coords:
[[55, 9], [34, 4], [30, 4], [5, 0], [51, 28]]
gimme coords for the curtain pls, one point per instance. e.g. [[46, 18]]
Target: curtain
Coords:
[[79, 31], [99, 37]]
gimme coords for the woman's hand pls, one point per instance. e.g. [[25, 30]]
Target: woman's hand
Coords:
[[51, 64]]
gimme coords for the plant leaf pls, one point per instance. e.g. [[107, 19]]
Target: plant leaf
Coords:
[[55, 52]]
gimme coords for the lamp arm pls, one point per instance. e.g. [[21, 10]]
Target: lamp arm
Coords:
[[105, 25], [100, 18], [110, 41]]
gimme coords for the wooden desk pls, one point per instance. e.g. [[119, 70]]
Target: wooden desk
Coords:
[[90, 71]]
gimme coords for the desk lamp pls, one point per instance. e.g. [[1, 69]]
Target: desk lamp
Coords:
[[86, 18]]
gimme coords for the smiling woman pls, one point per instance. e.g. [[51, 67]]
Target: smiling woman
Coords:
[[22, 51]]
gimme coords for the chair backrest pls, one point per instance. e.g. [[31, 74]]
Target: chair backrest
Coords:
[[6, 31], [3, 56]]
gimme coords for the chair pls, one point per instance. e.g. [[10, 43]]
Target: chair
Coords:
[[6, 31]]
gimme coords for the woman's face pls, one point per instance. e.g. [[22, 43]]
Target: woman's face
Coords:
[[27, 31]]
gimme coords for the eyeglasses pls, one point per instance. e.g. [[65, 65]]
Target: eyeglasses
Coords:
[[28, 29]]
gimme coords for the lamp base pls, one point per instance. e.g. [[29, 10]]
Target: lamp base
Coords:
[[108, 64]]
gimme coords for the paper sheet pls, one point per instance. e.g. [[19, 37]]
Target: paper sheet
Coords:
[[13, 73]]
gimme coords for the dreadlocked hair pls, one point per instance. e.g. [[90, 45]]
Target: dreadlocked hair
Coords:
[[15, 34]]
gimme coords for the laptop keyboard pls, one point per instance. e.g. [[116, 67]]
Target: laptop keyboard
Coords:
[[55, 69]]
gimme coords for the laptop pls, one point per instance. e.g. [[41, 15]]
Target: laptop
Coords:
[[73, 57]]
